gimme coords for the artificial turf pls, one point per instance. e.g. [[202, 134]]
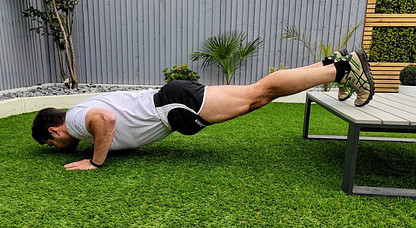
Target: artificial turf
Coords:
[[252, 171]]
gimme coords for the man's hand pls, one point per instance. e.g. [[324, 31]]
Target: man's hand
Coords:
[[101, 124], [80, 165]]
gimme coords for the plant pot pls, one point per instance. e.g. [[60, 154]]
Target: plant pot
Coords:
[[405, 89]]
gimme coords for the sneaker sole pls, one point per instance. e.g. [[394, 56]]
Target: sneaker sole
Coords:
[[363, 59], [346, 98]]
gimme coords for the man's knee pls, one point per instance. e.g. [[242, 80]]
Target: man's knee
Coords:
[[261, 96]]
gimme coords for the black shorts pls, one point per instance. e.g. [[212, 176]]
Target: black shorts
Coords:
[[179, 103]]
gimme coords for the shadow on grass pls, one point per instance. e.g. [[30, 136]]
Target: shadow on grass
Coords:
[[379, 164], [386, 164], [155, 152]]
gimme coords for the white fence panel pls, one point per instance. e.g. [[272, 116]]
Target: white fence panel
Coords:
[[131, 41]]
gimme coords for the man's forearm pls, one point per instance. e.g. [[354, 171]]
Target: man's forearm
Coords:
[[102, 125], [103, 129]]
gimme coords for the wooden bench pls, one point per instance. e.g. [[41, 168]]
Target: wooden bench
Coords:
[[387, 112]]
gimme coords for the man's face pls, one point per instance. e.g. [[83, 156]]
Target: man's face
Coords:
[[63, 143]]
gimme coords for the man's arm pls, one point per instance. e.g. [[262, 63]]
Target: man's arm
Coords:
[[101, 124]]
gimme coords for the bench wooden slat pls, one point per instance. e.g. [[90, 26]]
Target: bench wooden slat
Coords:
[[408, 99], [400, 99], [343, 109], [382, 114], [395, 109], [387, 109]]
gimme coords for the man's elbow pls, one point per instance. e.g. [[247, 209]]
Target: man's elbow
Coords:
[[109, 119], [104, 119]]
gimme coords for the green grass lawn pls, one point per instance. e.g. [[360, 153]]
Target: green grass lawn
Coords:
[[253, 171]]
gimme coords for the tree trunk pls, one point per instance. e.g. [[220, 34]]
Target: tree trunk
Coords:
[[71, 50], [66, 44], [61, 67]]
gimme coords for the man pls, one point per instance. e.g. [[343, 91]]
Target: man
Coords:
[[123, 120]]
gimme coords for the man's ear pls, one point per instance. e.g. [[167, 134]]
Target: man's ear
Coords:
[[53, 130]]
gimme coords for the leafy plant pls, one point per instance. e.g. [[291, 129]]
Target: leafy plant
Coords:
[[292, 33], [408, 75], [180, 73], [56, 20], [273, 69], [227, 52], [399, 41], [395, 6]]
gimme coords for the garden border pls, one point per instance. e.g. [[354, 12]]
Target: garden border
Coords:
[[22, 105]]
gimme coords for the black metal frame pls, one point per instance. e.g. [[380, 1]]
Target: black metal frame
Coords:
[[353, 139]]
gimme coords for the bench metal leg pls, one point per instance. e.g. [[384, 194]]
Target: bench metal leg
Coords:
[[307, 118], [350, 158], [349, 171]]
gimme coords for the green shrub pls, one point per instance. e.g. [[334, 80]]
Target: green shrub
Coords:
[[393, 44], [396, 6], [180, 73], [408, 75]]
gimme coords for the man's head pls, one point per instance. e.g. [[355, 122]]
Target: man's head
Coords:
[[49, 127]]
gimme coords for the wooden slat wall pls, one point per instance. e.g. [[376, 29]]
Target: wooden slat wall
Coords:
[[386, 75]]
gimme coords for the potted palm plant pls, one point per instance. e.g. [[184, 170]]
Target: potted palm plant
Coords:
[[227, 52]]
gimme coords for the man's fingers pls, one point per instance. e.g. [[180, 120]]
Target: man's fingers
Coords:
[[80, 165], [69, 165]]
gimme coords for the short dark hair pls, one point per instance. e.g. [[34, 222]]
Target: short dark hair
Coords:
[[46, 118]]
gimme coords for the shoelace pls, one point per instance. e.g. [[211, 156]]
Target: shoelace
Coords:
[[347, 86]]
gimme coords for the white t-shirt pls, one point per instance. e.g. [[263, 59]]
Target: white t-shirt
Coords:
[[137, 121]]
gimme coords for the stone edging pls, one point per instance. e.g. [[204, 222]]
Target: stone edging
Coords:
[[31, 104]]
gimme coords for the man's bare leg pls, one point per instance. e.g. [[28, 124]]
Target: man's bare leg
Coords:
[[319, 64], [227, 102]]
